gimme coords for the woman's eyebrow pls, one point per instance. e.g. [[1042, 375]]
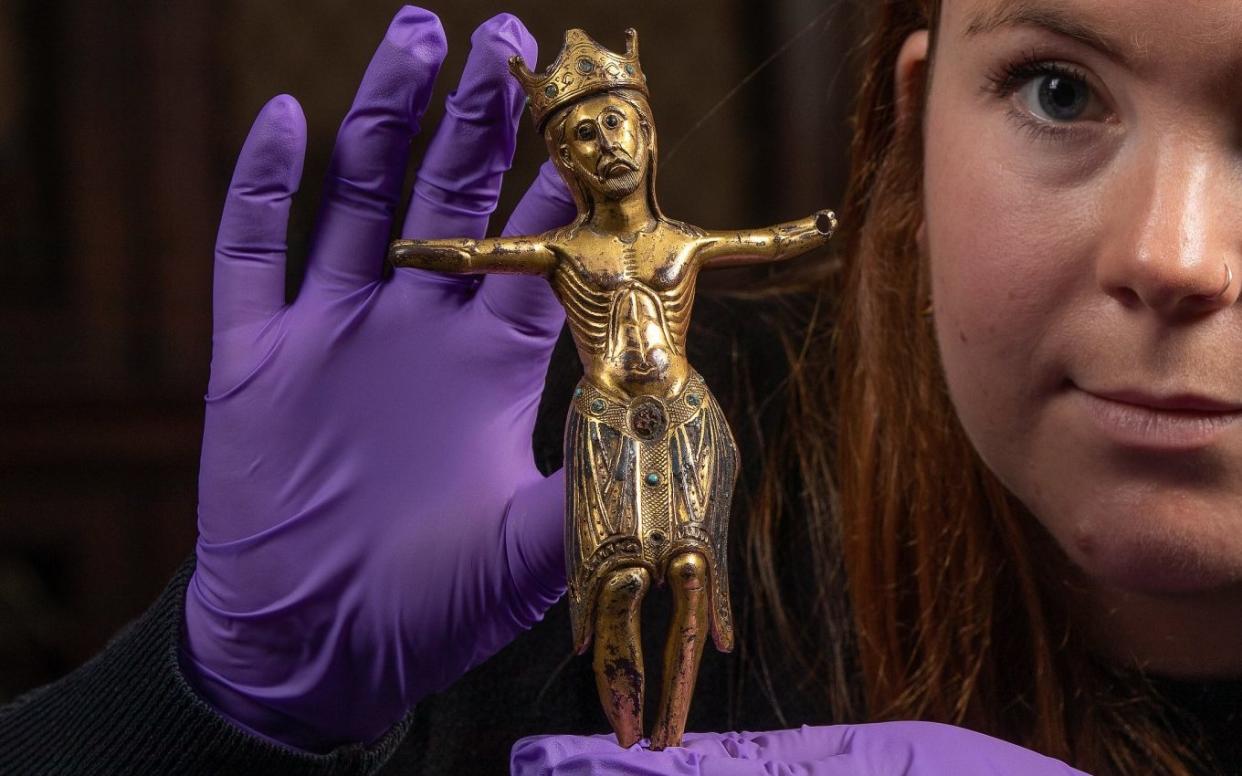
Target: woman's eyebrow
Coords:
[[1054, 18]]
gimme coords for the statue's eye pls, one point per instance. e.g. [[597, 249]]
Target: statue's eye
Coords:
[[586, 132], [612, 121]]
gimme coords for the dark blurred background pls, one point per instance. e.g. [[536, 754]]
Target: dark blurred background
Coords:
[[119, 125]]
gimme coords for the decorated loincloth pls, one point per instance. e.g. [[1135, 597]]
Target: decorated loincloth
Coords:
[[646, 480]]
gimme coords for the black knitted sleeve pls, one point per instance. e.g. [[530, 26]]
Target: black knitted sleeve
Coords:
[[130, 710]]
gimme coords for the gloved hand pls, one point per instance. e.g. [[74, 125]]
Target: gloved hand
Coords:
[[883, 749], [371, 520]]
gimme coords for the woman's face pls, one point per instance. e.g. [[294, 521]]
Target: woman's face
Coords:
[[1083, 194]]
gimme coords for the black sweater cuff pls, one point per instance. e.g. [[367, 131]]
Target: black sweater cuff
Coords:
[[130, 710]]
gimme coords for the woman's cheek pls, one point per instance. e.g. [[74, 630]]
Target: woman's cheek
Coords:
[[987, 250]]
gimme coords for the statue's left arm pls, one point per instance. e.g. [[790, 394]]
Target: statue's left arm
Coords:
[[773, 243]]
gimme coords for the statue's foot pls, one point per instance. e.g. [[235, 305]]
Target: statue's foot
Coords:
[[662, 739]]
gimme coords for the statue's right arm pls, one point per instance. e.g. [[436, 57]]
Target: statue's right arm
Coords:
[[510, 255]]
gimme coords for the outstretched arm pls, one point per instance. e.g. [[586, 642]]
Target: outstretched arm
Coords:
[[755, 246], [511, 255]]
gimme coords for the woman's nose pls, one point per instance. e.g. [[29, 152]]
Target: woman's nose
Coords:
[[1179, 236]]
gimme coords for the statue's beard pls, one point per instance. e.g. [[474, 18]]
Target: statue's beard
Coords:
[[618, 177], [620, 185]]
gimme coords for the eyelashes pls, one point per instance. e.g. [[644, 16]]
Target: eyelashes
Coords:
[[1004, 81]]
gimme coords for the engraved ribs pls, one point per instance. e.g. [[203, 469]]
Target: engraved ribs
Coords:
[[630, 319]]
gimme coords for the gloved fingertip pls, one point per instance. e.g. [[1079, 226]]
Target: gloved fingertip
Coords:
[[505, 33], [487, 77], [270, 164], [284, 110], [419, 33]]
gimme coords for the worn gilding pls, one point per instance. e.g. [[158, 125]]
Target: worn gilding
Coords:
[[650, 462]]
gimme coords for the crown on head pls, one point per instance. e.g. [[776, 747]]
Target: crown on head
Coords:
[[582, 68]]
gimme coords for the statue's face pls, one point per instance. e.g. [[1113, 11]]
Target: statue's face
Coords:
[[606, 143]]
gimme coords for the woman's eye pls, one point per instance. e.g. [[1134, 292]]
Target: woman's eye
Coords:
[[1057, 97], [1054, 101], [611, 121], [586, 132]]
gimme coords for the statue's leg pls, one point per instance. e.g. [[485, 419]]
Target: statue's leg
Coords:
[[687, 576], [619, 651]]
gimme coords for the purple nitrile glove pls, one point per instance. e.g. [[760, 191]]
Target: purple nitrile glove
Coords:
[[371, 520], [881, 749]]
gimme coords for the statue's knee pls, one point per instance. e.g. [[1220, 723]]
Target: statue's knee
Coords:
[[689, 570], [628, 582]]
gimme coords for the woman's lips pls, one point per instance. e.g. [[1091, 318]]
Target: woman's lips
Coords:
[[1168, 424]]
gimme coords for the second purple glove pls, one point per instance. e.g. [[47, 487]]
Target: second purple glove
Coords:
[[884, 749], [371, 520]]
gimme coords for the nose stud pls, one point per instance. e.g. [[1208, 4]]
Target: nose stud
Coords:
[[1228, 282]]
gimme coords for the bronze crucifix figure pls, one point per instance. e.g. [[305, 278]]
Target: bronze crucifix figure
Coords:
[[650, 462]]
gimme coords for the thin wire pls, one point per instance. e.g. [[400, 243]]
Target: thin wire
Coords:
[[552, 677], [747, 79]]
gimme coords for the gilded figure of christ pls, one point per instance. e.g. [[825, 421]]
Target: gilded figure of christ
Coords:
[[650, 461]]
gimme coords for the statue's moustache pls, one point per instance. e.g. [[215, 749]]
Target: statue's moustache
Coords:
[[608, 165]]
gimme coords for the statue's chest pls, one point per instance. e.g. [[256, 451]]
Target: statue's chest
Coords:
[[618, 269], [627, 303]]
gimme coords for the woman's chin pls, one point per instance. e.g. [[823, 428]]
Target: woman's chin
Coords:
[[1158, 546]]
